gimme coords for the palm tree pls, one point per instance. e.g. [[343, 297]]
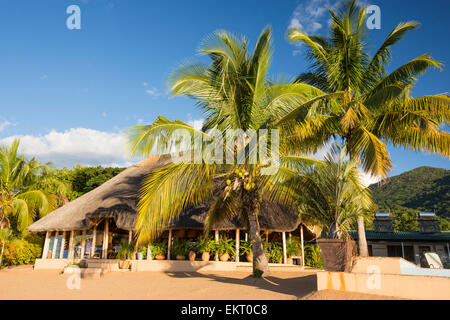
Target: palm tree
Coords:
[[5, 235], [26, 189], [370, 105], [334, 196], [234, 93]]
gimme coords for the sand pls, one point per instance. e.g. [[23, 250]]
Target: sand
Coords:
[[25, 283]]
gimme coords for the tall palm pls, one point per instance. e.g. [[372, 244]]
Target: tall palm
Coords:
[[233, 92], [374, 106], [24, 189]]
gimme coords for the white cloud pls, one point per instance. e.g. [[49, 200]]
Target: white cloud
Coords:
[[4, 124], [153, 92], [307, 15], [77, 145]]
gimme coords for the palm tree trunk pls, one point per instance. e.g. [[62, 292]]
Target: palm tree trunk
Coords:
[[362, 242], [1, 255], [250, 209]]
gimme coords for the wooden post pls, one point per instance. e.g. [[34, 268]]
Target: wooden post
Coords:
[[267, 237], [130, 236], [284, 248], [216, 237], [55, 244], [63, 243], [303, 246], [83, 243], [169, 244], [94, 240], [237, 245], [46, 245], [105, 240], [71, 246]]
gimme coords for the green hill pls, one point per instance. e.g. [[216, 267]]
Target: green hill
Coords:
[[421, 189]]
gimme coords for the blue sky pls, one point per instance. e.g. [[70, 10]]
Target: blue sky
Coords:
[[70, 93]]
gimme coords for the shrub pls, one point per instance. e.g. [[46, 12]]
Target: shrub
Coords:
[[275, 252], [20, 251], [313, 257], [293, 247]]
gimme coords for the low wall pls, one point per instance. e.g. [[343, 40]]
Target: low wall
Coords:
[[52, 263], [395, 285], [162, 265]]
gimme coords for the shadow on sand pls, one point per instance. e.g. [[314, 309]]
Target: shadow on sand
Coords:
[[296, 286]]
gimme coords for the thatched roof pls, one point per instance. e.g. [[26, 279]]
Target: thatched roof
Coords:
[[118, 197]]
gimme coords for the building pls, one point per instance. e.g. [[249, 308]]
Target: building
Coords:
[[93, 225], [383, 241]]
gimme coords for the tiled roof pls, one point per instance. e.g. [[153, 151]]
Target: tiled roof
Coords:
[[404, 235]]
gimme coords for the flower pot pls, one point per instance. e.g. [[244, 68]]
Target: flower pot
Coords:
[[192, 255], [205, 256], [249, 256], [180, 257], [337, 254], [160, 257], [224, 257], [124, 264]]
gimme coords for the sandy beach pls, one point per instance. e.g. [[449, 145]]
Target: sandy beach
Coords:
[[26, 283]]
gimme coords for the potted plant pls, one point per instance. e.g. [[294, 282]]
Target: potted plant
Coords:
[[126, 249], [205, 246], [192, 250], [245, 247], [181, 249], [293, 248], [159, 250], [225, 249]]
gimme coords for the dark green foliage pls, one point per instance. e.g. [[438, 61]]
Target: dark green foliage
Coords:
[[85, 179], [421, 189], [181, 248]]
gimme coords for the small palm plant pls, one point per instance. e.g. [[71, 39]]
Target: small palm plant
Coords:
[[126, 250]]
